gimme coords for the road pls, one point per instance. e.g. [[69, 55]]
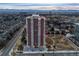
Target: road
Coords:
[[72, 44], [5, 51], [50, 53]]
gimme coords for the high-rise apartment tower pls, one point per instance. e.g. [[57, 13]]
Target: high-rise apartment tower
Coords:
[[35, 31]]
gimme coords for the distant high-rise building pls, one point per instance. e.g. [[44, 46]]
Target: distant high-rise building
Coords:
[[35, 31]]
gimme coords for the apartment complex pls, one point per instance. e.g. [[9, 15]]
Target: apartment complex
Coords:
[[35, 31]]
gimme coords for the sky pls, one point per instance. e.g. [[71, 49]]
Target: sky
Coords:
[[39, 1], [40, 6]]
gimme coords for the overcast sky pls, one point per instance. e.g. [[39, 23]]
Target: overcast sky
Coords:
[[39, 1], [42, 6]]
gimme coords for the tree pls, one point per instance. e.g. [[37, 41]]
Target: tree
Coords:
[[23, 39], [20, 47]]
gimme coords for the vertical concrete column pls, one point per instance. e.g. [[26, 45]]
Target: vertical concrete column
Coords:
[[44, 34], [39, 31], [32, 33]]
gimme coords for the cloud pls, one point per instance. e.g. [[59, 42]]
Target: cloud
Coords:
[[41, 6]]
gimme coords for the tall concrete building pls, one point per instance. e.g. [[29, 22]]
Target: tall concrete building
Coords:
[[35, 31]]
